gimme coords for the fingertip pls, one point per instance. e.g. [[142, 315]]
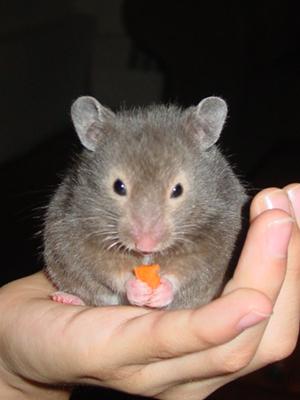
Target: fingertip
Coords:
[[293, 193], [270, 234], [249, 299], [269, 217], [269, 199], [263, 260], [291, 186], [253, 318], [236, 311]]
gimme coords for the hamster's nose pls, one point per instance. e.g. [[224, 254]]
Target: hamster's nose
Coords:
[[147, 233], [146, 243]]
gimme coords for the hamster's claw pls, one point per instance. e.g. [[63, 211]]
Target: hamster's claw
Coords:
[[66, 298]]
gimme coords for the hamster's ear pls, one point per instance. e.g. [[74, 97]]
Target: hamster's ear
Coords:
[[206, 120], [88, 116]]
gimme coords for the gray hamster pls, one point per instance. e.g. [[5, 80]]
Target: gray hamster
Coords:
[[150, 186]]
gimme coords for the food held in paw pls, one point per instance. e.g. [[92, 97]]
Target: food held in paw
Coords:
[[148, 274]]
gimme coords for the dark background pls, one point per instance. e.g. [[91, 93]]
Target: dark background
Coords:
[[134, 53]]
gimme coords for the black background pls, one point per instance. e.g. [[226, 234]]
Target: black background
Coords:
[[246, 53]]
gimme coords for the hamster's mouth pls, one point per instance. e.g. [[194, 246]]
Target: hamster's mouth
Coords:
[[144, 254], [141, 253], [148, 258]]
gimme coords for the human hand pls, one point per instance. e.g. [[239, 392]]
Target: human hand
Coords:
[[163, 354], [276, 338]]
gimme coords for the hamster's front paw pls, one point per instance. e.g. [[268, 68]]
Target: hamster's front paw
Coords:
[[141, 294], [138, 292], [163, 295], [66, 298]]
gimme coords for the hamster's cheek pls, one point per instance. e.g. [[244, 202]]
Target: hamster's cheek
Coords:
[[120, 280], [173, 280]]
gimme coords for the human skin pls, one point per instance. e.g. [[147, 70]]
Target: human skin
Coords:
[[47, 347]]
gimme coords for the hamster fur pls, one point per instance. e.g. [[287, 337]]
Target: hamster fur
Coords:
[[150, 181]]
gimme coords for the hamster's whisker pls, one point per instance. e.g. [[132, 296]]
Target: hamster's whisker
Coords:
[[127, 250], [110, 239], [110, 236], [100, 233], [184, 239], [186, 233], [119, 246], [190, 226], [124, 249], [115, 243], [104, 211], [106, 231]]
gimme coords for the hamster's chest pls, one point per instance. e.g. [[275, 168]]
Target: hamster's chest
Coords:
[[119, 270]]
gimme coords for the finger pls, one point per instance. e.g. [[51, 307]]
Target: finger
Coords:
[[239, 350], [278, 340], [86, 342], [284, 325], [262, 264], [168, 334], [283, 328], [272, 198], [54, 344], [280, 336], [269, 199], [165, 347], [293, 192]]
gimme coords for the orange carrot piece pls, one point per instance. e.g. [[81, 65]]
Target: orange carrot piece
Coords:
[[148, 274]]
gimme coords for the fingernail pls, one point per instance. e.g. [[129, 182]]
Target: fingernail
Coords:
[[278, 236], [251, 319], [277, 199], [294, 196]]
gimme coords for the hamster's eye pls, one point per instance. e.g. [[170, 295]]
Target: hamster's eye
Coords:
[[176, 191], [120, 187]]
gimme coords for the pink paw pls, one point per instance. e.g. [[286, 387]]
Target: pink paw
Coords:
[[138, 292], [66, 298], [163, 295]]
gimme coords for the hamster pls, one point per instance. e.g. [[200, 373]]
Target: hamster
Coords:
[[150, 185]]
